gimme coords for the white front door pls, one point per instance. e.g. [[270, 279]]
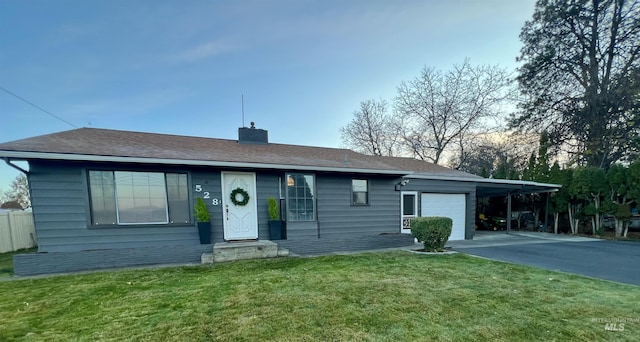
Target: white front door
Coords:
[[240, 221]]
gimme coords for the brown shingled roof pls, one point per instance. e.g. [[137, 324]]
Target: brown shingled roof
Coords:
[[113, 143]]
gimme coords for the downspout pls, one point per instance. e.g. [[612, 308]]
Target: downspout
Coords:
[[8, 161]]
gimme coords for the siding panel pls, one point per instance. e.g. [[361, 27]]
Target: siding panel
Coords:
[[266, 185], [61, 212], [302, 230], [337, 218], [210, 181]]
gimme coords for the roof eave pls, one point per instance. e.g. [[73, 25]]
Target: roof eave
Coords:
[[25, 155]]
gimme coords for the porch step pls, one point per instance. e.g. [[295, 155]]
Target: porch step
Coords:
[[230, 251]]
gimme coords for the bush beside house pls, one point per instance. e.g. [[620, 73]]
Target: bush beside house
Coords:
[[433, 231]]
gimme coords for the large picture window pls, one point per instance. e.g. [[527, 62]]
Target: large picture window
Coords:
[[301, 199], [128, 198]]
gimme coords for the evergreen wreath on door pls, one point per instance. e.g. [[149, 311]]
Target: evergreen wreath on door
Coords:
[[244, 197]]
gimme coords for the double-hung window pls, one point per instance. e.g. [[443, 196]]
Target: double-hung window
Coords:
[[301, 199], [360, 192], [135, 198]]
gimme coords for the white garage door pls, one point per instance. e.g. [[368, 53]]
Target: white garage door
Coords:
[[447, 205]]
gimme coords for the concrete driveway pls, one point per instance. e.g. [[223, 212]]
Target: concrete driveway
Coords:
[[611, 260]]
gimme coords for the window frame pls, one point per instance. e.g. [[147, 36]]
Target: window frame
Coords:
[[189, 198], [288, 198], [367, 192]]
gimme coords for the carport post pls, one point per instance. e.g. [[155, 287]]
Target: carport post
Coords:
[[508, 213], [546, 212]]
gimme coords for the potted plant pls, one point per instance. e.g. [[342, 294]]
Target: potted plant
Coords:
[[204, 221], [275, 224]]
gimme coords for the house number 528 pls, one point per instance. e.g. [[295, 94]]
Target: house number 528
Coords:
[[207, 195]]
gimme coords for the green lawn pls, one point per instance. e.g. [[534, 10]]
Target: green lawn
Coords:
[[392, 296], [6, 261]]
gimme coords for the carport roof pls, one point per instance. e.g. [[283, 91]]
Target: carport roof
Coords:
[[488, 187]]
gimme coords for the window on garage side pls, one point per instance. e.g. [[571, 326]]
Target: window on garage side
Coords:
[[133, 198], [359, 192]]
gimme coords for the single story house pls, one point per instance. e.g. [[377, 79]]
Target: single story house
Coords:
[[119, 198]]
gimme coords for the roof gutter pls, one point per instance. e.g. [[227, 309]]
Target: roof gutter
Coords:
[[167, 161], [8, 161]]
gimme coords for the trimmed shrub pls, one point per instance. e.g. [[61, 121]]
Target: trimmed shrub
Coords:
[[274, 213], [202, 214], [432, 231]]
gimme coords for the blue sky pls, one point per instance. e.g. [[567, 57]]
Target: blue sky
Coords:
[[181, 67]]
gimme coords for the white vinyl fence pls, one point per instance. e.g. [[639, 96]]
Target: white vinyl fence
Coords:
[[17, 231]]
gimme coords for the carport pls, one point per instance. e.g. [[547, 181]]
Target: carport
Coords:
[[508, 188], [445, 195]]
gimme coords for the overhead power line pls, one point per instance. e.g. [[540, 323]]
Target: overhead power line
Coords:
[[36, 106]]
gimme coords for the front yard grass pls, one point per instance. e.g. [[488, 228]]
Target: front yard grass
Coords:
[[392, 296]]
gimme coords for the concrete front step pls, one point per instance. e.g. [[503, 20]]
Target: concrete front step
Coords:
[[230, 251]]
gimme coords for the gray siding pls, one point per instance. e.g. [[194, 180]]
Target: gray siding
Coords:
[[449, 187], [61, 215], [266, 185], [363, 242], [302, 230], [211, 183], [47, 263], [338, 218]]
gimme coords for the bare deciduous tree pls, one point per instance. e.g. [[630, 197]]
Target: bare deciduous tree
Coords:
[[498, 155], [370, 131], [438, 110], [19, 192]]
